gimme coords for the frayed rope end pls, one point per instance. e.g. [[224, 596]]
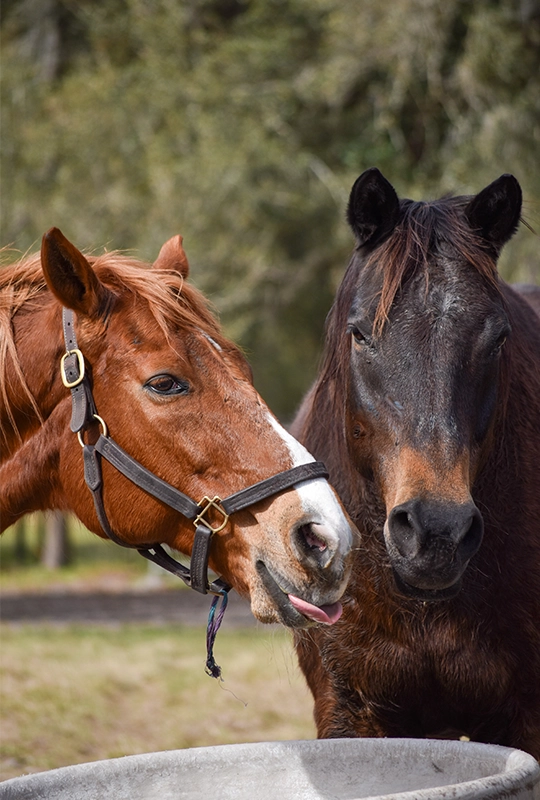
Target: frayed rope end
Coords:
[[214, 622]]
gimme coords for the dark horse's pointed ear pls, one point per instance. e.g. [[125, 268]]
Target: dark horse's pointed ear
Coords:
[[373, 208], [70, 277], [172, 257], [494, 213]]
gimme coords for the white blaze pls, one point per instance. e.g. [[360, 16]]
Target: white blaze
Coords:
[[317, 497]]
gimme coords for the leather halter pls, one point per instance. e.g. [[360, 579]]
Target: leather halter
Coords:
[[84, 416]]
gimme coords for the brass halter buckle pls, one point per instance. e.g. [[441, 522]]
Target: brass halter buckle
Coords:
[[214, 503], [80, 360]]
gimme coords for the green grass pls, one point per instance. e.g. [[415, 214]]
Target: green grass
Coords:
[[76, 694], [82, 693]]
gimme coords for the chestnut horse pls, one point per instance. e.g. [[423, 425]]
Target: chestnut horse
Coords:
[[178, 399], [426, 412]]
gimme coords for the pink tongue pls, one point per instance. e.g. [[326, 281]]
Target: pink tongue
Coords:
[[326, 614]]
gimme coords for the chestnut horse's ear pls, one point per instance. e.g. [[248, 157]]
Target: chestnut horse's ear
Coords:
[[70, 277], [373, 208], [172, 256], [494, 213]]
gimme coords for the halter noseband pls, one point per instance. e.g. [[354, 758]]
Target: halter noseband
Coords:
[[84, 415]]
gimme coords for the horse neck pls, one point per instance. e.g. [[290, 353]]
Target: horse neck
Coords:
[[32, 386]]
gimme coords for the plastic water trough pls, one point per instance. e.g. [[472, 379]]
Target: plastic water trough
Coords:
[[332, 769]]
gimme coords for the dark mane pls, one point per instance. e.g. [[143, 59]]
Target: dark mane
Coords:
[[424, 229]]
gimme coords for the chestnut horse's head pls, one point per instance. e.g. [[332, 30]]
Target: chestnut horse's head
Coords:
[[178, 397], [422, 326]]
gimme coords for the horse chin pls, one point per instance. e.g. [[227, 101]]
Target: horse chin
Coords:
[[427, 595], [280, 608]]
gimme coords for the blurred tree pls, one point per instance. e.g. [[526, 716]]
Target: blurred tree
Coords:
[[56, 551], [20, 547], [242, 124]]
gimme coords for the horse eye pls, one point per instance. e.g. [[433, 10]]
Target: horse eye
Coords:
[[358, 336], [499, 344], [167, 385]]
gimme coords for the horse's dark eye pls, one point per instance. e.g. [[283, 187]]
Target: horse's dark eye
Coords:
[[358, 336], [167, 385], [499, 344]]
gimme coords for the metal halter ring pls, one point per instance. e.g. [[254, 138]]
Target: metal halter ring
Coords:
[[80, 361], [103, 429], [211, 504]]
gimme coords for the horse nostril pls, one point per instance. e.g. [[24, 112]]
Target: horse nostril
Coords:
[[311, 539], [472, 534], [403, 520], [405, 530], [312, 545]]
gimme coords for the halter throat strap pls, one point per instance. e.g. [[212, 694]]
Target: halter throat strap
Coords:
[[84, 415]]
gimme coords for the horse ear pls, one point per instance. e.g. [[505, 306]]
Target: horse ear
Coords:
[[494, 213], [373, 208], [172, 256], [69, 275]]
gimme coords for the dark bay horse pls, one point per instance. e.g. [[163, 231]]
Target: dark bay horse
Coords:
[[426, 412], [178, 398]]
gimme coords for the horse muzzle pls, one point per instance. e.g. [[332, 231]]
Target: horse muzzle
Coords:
[[430, 544], [300, 556]]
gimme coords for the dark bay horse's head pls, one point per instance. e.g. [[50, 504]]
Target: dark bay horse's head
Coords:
[[423, 325]]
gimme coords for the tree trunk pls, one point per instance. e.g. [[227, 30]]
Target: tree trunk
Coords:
[[55, 551], [20, 548]]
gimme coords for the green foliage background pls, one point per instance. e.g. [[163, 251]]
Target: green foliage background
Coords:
[[242, 124]]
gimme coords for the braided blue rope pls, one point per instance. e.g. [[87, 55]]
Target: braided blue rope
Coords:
[[214, 621]]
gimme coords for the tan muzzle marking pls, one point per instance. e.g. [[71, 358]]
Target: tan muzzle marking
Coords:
[[414, 473]]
